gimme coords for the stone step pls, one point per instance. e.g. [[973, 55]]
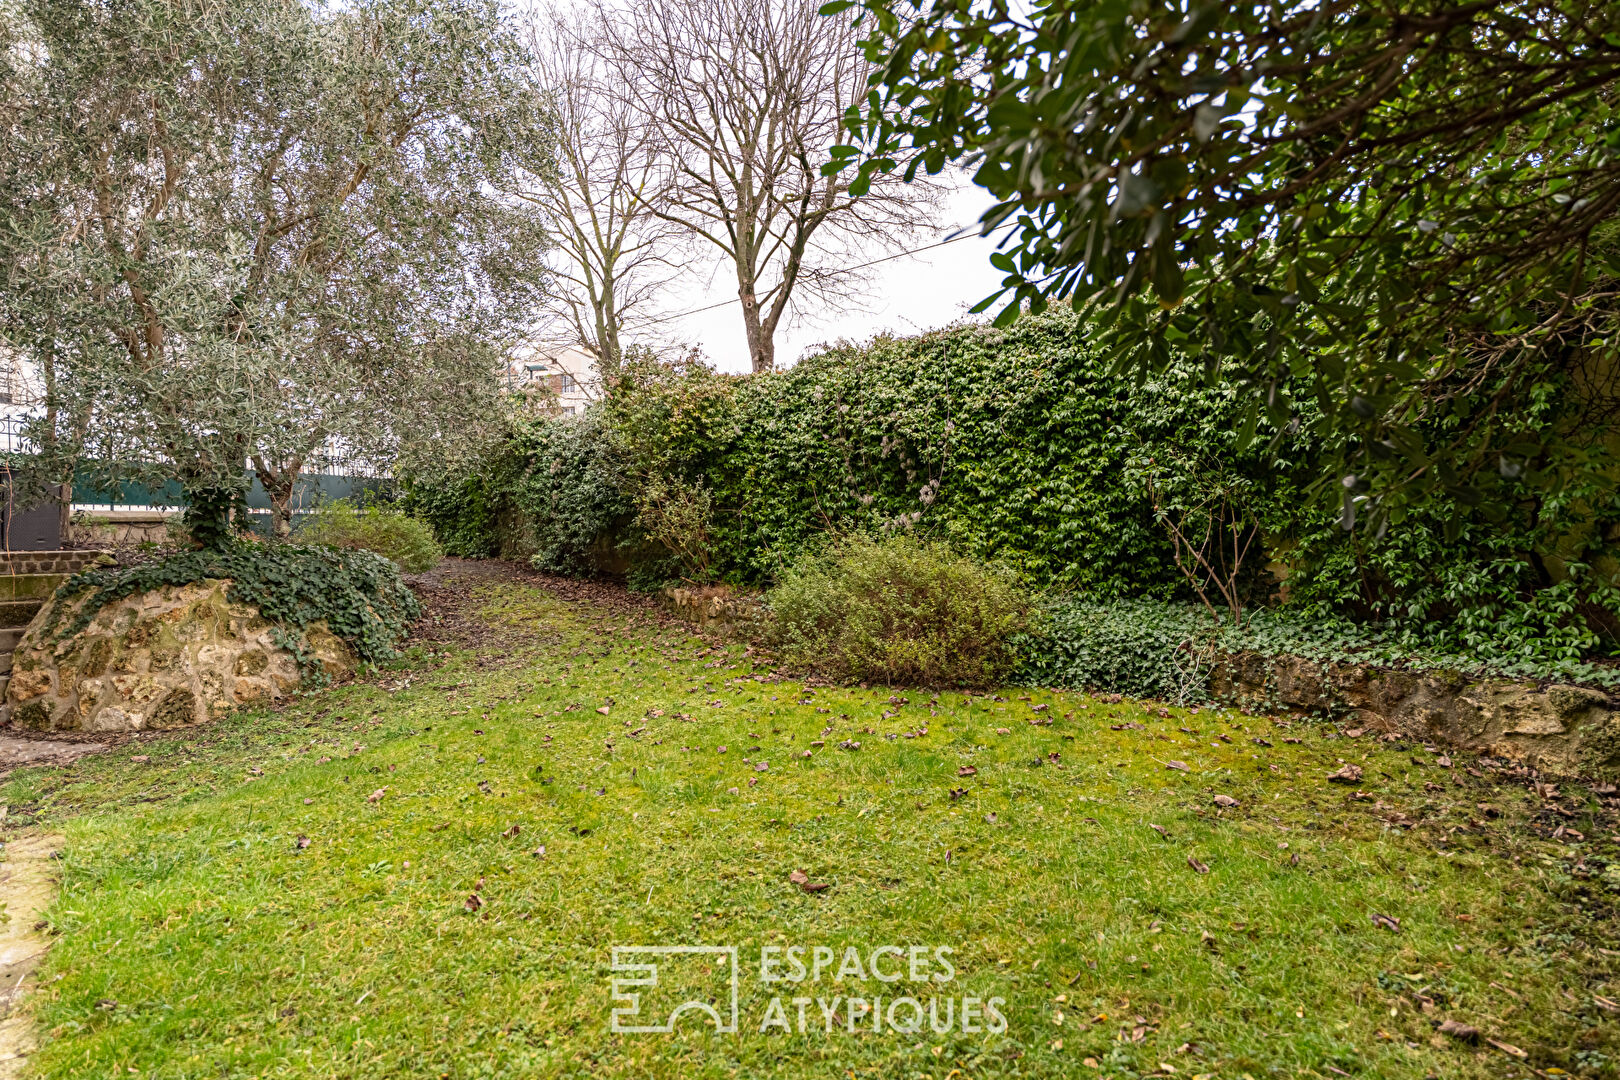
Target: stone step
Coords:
[[5, 663], [5, 680], [9, 638], [50, 562], [17, 613], [29, 586]]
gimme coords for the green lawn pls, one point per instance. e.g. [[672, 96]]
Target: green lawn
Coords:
[[201, 937]]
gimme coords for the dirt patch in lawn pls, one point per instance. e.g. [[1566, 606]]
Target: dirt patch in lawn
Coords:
[[451, 600]]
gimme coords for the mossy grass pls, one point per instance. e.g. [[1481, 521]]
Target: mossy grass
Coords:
[[197, 936]]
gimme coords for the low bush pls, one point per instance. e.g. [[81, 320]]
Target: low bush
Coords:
[[357, 594], [389, 533], [898, 610], [1163, 649]]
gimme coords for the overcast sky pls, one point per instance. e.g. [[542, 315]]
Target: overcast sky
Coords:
[[906, 295]]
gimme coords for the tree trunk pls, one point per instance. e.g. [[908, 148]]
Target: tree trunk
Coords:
[[278, 485], [208, 515], [761, 343]]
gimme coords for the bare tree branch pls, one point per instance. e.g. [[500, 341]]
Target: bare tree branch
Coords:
[[742, 101]]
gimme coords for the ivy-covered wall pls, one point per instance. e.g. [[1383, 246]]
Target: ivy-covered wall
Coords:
[[1016, 445], [1020, 446]]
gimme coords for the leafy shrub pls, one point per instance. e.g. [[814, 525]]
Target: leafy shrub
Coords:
[[899, 610], [358, 594], [389, 533]]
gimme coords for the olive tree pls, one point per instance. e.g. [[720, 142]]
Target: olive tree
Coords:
[[248, 230]]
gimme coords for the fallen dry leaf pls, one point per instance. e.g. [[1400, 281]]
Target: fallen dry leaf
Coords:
[[1173, 764], [513, 831], [802, 880], [301, 843], [1386, 922], [141, 759], [473, 903], [1350, 774], [1459, 1031], [603, 709], [1202, 868], [1225, 800], [1507, 1048], [967, 770], [377, 795]]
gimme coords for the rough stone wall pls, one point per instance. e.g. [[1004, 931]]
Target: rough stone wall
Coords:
[[1567, 730], [717, 606], [123, 529], [173, 656]]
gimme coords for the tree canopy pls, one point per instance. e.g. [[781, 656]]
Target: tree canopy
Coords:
[[1403, 211], [246, 230]]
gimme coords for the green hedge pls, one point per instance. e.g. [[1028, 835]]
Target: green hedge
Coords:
[[1019, 446]]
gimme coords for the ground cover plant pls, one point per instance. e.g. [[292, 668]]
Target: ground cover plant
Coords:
[[1164, 648], [358, 595], [425, 874]]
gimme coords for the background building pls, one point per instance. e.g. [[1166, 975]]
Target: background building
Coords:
[[568, 374]]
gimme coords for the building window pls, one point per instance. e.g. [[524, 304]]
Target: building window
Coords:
[[569, 384]]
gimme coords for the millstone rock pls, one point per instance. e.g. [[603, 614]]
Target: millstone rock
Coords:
[[176, 655]]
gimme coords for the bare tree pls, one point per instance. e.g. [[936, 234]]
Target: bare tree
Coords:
[[612, 248], [743, 100]]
